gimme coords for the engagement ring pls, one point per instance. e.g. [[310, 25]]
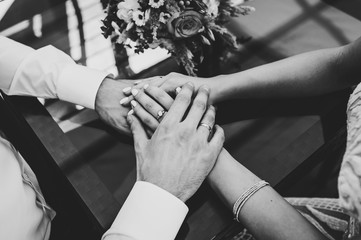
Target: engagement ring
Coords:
[[160, 114]]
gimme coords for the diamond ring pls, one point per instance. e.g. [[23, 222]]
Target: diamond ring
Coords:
[[160, 114]]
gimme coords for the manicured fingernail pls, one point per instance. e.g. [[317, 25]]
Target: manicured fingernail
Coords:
[[178, 89], [130, 112], [134, 103], [206, 88], [127, 89], [129, 118], [134, 92], [123, 100], [137, 82], [190, 84], [146, 86]]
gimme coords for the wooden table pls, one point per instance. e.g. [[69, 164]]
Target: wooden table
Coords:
[[87, 172]]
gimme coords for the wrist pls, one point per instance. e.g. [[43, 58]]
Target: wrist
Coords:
[[101, 91], [219, 86], [232, 86], [182, 194]]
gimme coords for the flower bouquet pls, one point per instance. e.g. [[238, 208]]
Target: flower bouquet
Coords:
[[182, 27]]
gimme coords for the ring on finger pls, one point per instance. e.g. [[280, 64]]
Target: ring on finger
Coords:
[[160, 114], [206, 126]]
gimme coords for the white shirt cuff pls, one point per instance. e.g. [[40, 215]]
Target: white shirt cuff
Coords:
[[78, 84], [149, 213]]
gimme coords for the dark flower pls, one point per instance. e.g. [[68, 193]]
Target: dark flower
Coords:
[[188, 24]]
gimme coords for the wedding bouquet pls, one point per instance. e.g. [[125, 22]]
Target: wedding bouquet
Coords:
[[182, 27]]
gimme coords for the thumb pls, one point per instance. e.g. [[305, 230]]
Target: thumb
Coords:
[[137, 129]]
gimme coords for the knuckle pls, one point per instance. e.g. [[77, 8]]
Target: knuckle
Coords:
[[211, 118], [183, 98], [152, 90], [149, 89], [148, 106], [212, 109], [172, 74], [152, 124], [204, 89], [160, 97], [200, 104], [147, 121], [139, 95], [188, 87]]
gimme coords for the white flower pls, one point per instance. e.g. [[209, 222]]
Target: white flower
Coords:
[[156, 3], [129, 5], [124, 14], [139, 18], [126, 8], [164, 17], [212, 7]]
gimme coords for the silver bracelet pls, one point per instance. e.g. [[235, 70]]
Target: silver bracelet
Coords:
[[245, 196]]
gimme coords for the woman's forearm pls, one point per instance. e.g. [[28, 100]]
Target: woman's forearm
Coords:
[[308, 74], [266, 214]]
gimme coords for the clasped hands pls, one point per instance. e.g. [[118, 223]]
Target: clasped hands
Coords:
[[174, 146]]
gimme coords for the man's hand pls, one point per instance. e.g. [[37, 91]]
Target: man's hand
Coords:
[[180, 154], [107, 103]]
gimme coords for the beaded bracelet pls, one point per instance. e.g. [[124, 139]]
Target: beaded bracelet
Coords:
[[245, 196]]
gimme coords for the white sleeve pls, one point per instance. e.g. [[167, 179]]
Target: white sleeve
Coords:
[[149, 213], [47, 72]]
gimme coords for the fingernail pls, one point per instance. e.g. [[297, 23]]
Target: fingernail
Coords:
[[146, 86], [137, 82], [129, 118], [178, 89], [134, 92], [123, 100], [133, 103], [206, 88], [130, 112], [127, 89], [190, 84]]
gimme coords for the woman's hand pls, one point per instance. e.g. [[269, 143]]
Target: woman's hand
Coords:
[[181, 152], [171, 82]]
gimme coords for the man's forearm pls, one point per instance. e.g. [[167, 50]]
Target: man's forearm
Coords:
[[308, 74], [46, 72]]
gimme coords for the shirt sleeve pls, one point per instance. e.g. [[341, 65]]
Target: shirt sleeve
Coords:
[[149, 213], [46, 72]]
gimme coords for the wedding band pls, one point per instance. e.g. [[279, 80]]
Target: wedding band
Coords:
[[206, 126], [160, 114]]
